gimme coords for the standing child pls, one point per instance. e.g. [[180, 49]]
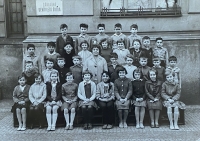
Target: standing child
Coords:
[[69, 96], [105, 49], [143, 67], [153, 91], [84, 53], [147, 49], [129, 66], [87, 94], [53, 100], [136, 50], [160, 69], [160, 52], [62, 70], [20, 98], [139, 97], [77, 69], [123, 92], [101, 35], [171, 94]]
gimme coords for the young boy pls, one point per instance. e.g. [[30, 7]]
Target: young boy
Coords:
[[160, 52], [147, 49], [121, 52], [76, 69], [61, 69], [84, 53], [160, 69], [83, 36], [136, 51], [68, 54], [31, 57], [129, 66], [118, 35], [105, 49], [101, 35], [143, 67], [133, 36], [62, 39]]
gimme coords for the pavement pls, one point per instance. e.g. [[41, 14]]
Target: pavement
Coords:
[[188, 132]]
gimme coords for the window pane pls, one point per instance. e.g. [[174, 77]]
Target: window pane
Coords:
[[14, 17], [19, 27], [135, 4], [18, 7], [14, 27], [19, 17]]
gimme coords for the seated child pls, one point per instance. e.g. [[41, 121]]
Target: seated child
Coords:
[[69, 96], [105, 49], [129, 66], [153, 91], [61, 69], [87, 94], [77, 69], [147, 49], [105, 99], [101, 35], [136, 50], [143, 67], [171, 93], [160, 69], [84, 53], [123, 92], [37, 94], [53, 100], [21, 101], [139, 97], [160, 52]]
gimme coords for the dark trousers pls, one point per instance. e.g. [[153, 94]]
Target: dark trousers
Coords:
[[87, 112]]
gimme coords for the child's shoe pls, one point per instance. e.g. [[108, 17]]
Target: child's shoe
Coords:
[[71, 127], [125, 125], [23, 128], [104, 126], [171, 127], [141, 126], [176, 127], [19, 128], [109, 126], [67, 127], [137, 126], [48, 128], [121, 125], [53, 128], [89, 126], [85, 126]]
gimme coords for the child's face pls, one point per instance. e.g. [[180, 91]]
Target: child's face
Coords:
[[49, 65], [122, 74], [152, 75], [101, 30], [170, 78], [120, 45], [143, 61], [105, 77], [31, 50], [84, 46], [113, 60], [136, 45], [38, 80], [68, 48], [76, 61], [70, 79], [134, 30], [159, 43], [137, 75], [83, 30], [54, 77], [22, 81], [104, 45], [51, 49], [156, 63], [172, 63], [114, 46], [29, 66], [118, 30], [61, 63], [146, 43], [129, 61], [63, 31], [95, 51], [86, 77]]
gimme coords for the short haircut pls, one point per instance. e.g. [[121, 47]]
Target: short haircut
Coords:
[[69, 74], [121, 68], [113, 55], [30, 45], [172, 58], [121, 41], [84, 41], [103, 40], [156, 59], [51, 44], [129, 56], [87, 72], [137, 40], [76, 57], [39, 75], [108, 81], [101, 25], [154, 70], [118, 25], [54, 72], [21, 76], [28, 62], [143, 55], [134, 26], [137, 71], [143, 58], [63, 26], [69, 43], [159, 38], [146, 38], [60, 58], [49, 59], [84, 25], [96, 46]]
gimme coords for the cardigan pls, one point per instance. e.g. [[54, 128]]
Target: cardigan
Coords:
[[58, 92], [100, 90], [113, 71], [81, 91], [138, 89], [153, 90], [19, 95]]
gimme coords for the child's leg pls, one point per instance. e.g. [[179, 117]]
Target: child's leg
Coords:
[[125, 117], [110, 113], [137, 109], [120, 118], [90, 116], [84, 113], [66, 114], [157, 114], [48, 116], [142, 113], [55, 116], [169, 113], [72, 116], [151, 114], [176, 115], [102, 105], [19, 118], [23, 111]]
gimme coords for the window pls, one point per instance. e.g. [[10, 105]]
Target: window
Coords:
[[140, 8]]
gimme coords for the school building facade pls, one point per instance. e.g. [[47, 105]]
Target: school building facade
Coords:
[[38, 21]]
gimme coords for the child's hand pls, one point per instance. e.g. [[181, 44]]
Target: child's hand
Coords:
[[53, 102], [151, 101], [171, 100], [141, 99], [106, 95], [155, 99], [122, 100], [137, 99], [35, 103]]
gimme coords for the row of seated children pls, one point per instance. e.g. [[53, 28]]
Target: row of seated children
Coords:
[[123, 92]]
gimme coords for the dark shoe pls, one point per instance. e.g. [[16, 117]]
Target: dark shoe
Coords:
[[157, 125], [85, 127], [89, 126]]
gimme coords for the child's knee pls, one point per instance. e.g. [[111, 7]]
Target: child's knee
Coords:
[[66, 111], [23, 110], [55, 109], [17, 110], [169, 109], [176, 110], [48, 109], [73, 110]]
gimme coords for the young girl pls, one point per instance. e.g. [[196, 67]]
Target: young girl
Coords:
[[87, 94], [84, 53], [20, 98], [171, 94], [123, 92], [37, 94], [53, 100], [105, 49], [69, 96], [153, 91], [136, 51], [139, 96], [105, 97]]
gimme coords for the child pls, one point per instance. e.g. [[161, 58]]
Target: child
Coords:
[[139, 97], [123, 92], [61, 69], [143, 67], [62, 39], [20, 98], [105, 49], [174, 69], [37, 94], [133, 36], [160, 52], [160, 69], [50, 54], [84, 53], [121, 52], [68, 54], [113, 66], [153, 91], [136, 50], [83, 36], [147, 49], [129, 66], [69, 96], [48, 70], [31, 57], [87, 94], [101, 35], [118, 35], [105, 97], [77, 69], [29, 72], [171, 94], [53, 100]]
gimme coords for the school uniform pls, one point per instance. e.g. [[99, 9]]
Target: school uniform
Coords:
[[121, 55], [77, 73], [113, 71]]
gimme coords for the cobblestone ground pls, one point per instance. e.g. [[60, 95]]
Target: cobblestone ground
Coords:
[[188, 132]]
